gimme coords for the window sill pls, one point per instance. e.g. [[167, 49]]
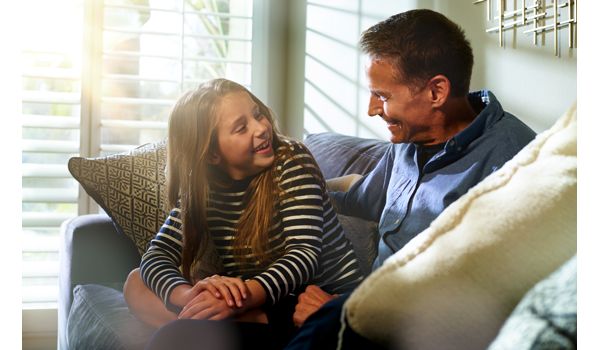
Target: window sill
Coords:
[[39, 327]]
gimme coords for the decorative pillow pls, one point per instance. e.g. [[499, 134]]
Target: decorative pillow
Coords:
[[546, 318], [129, 187], [454, 284]]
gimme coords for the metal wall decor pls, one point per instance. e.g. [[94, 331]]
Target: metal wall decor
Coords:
[[536, 17]]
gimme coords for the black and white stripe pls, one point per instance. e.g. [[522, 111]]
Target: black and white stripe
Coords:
[[306, 237]]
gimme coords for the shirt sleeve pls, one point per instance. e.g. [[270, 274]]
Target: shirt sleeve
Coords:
[[366, 198], [301, 214], [160, 264]]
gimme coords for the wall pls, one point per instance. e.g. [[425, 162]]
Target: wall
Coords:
[[530, 81]]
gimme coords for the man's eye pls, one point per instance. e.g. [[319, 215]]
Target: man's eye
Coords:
[[380, 97]]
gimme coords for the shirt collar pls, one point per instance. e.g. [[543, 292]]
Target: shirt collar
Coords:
[[489, 115]]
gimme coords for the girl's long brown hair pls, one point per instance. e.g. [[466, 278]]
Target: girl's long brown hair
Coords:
[[192, 138]]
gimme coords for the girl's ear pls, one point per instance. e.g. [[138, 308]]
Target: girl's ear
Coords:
[[214, 158]]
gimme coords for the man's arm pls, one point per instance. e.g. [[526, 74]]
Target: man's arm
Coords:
[[366, 196]]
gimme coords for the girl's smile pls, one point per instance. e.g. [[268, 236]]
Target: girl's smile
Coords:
[[264, 148]]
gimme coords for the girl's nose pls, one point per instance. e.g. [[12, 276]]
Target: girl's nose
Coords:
[[261, 130]]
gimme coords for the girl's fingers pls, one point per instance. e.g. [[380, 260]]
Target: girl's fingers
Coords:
[[226, 293], [205, 285], [243, 288], [219, 316], [234, 290], [190, 310], [205, 314]]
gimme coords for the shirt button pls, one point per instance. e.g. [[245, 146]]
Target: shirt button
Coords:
[[396, 222]]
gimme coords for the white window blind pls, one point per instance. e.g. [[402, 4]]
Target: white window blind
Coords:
[[100, 77], [334, 87]]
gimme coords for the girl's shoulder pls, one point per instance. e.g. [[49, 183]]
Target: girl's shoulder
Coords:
[[295, 158], [291, 150]]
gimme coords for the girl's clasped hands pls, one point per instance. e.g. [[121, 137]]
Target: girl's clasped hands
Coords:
[[215, 298]]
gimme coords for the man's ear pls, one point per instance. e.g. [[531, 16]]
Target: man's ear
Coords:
[[439, 90]]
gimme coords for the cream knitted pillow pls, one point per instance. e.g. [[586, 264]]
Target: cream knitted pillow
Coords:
[[453, 285]]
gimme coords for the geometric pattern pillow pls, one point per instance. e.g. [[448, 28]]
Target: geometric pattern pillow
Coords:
[[129, 187]]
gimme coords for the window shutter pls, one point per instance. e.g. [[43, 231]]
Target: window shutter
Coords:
[[99, 77]]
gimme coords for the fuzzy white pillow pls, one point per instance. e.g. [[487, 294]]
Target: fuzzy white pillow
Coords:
[[453, 285]]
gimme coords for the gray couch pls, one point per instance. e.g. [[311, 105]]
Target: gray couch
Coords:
[[98, 251]]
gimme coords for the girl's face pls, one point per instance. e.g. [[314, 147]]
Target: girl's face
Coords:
[[244, 137]]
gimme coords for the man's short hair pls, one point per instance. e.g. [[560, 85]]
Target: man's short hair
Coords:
[[421, 44]]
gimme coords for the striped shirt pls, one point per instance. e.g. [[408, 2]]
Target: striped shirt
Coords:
[[306, 237]]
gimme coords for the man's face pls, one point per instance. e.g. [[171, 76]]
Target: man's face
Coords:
[[406, 114]]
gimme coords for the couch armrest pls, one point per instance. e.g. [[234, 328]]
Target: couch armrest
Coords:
[[91, 251], [342, 183]]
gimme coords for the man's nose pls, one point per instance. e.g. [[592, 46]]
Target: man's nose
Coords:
[[375, 106]]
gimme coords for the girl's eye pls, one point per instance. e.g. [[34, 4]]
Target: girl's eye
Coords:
[[240, 128], [258, 115]]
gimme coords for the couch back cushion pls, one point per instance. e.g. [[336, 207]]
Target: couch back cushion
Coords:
[[453, 285], [339, 155]]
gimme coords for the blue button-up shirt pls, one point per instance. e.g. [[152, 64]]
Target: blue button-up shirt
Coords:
[[405, 200]]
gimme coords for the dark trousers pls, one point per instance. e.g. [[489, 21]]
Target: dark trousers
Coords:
[[213, 335], [229, 335], [321, 331]]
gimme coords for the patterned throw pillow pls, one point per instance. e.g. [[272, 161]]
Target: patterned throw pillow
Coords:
[[129, 187]]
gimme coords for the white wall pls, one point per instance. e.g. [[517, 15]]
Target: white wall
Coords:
[[530, 81]]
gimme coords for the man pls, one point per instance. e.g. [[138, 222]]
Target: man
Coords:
[[445, 141]]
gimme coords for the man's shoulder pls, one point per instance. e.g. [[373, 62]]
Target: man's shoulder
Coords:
[[514, 129]]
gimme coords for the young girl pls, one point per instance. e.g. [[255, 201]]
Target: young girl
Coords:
[[255, 198]]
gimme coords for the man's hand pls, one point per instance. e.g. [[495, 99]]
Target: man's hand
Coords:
[[309, 302], [205, 306]]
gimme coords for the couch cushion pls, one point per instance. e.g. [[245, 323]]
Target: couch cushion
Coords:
[[454, 284], [100, 319], [339, 155], [546, 318], [129, 187]]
